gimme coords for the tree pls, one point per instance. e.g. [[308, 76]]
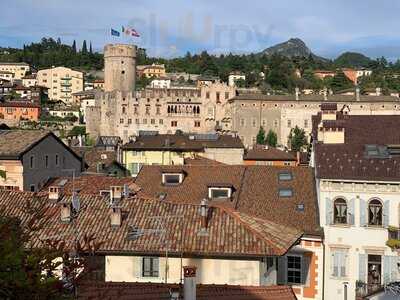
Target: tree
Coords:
[[84, 47], [340, 82], [74, 46], [271, 139], [261, 136], [90, 48], [58, 41], [297, 139]]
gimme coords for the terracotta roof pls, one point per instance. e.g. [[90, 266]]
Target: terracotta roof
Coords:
[[255, 191], [228, 234], [316, 98], [183, 142], [92, 156], [201, 161], [262, 152], [350, 160], [159, 291], [91, 184], [14, 143], [21, 103]]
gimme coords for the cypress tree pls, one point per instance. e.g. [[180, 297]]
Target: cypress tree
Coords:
[[84, 47], [74, 46]]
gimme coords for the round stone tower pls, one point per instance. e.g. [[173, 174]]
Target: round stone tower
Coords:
[[119, 67]]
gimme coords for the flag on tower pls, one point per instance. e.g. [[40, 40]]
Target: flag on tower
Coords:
[[130, 31], [115, 32]]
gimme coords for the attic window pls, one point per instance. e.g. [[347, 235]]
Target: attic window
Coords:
[[172, 178], [219, 192], [285, 176], [285, 192]]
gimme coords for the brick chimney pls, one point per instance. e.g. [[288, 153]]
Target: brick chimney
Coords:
[[189, 283]]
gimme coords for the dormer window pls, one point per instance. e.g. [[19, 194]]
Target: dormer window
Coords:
[[285, 176], [172, 178], [219, 192]]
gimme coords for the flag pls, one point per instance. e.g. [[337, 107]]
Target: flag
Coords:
[[134, 33], [115, 32], [130, 31]]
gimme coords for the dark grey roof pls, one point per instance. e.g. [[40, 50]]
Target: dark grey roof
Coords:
[[13, 143]]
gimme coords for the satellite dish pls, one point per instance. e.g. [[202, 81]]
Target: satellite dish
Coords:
[[76, 204]]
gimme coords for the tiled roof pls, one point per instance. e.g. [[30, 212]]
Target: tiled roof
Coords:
[[349, 160], [261, 152], [201, 161], [255, 191], [181, 142], [13, 143], [159, 291], [227, 235], [93, 156], [91, 184], [317, 98]]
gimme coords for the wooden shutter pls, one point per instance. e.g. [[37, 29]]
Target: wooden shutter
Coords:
[[138, 260], [305, 269], [362, 267], [342, 263], [335, 264], [282, 270], [350, 212], [394, 269], [329, 211], [363, 213], [387, 270], [386, 207]]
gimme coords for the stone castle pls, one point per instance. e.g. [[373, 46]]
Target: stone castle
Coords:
[[122, 111]]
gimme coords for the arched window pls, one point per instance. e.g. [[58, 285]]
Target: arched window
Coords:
[[375, 212], [340, 211]]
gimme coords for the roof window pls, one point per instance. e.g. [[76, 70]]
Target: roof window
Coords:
[[285, 192], [285, 176]]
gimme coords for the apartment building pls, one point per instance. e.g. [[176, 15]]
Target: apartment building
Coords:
[[30, 158], [61, 82], [356, 159], [29, 80], [18, 69], [152, 148]]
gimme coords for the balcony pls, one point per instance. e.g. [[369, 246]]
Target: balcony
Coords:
[[365, 289], [393, 238], [66, 90], [65, 83], [65, 78]]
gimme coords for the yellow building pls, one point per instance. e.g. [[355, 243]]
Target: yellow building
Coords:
[[172, 149], [150, 71], [19, 69], [61, 82]]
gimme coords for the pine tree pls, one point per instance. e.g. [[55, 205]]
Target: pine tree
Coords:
[[261, 136], [84, 47], [74, 46], [271, 139]]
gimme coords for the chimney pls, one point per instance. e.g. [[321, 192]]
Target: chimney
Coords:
[[297, 93], [65, 213], [357, 94], [115, 194], [204, 214], [189, 283], [298, 157], [115, 217], [54, 193]]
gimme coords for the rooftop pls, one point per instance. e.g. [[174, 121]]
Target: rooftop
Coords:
[[255, 191], [183, 142], [268, 153], [228, 233], [13, 143], [352, 160], [159, 291], [14, 63]]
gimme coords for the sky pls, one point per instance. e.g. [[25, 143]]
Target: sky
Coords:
[[170, 28]]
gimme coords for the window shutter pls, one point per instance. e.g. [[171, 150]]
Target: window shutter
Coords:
[[138, 266], [342, 263], [394, 269], [363, 213], [362, 267], [329, 211], [387, 270], [350, 212], [335, 264], [386, 206], [305, 270], [282, 270]]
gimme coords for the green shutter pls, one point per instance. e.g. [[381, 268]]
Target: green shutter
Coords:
[[351, 212], [335, 264], [362, 267], [386, 207], [363, 213], [329, 211]]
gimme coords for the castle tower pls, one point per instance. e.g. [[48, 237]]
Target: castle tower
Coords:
[[119, 67]]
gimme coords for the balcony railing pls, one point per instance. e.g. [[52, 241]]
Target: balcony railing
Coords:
[[393, 238], [66, 83], [364, 289]]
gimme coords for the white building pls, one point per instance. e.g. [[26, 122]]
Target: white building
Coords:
[[161, 83], [29, 80], [358, 179], [19, 69], [233, 77]]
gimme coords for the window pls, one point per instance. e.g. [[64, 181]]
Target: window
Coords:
[[135, 110], [150, 267], [254, 122], [137, 121], [305, 123], [216, 192], [57, 160], [226, 95], [121, 121], [340, 211], [160, 121], [207, 95], [174, 123], [294, 269], [32, 162], [338, 263], [375, 212], [158, 110], [129, 121], [275, 123], [241, 122], [289, 123], [217, 96], [196, 123], [147, 109], [32, 188], [144, 121], [153, 121], [46, 161], [285, 192], [172, 179], [285, 176]]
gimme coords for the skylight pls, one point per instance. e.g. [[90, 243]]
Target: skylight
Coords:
[[285, 176], [285, 192]]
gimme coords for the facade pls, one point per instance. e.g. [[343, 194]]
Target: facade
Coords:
[[285, 195], [354, 74], [61, 82], [30, 158], [321, 74], [235, 76], [12, 112], [167, 149], [29, 81], [7, 75], [64, 111], [151, 71], [98, 84], [358, 183], [161, 83], [270, 156], [18, 69], [246, 113], [122, 111]]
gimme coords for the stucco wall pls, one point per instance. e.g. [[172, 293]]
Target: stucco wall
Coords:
[[229, 156], [14, 170]]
